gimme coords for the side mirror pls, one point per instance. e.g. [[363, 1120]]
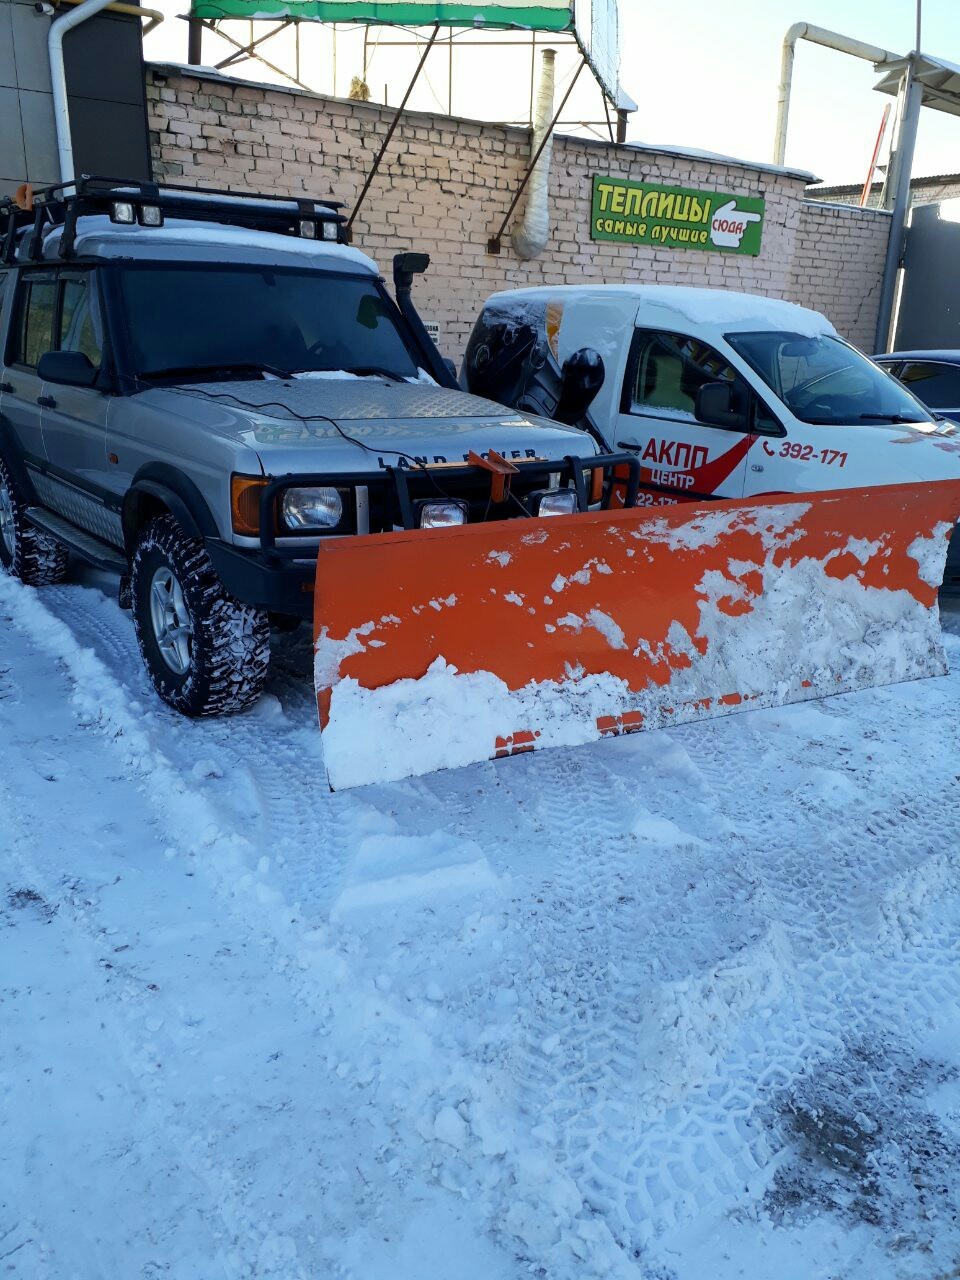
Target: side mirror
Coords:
[[580, 381], [71, 368], [718, 405]]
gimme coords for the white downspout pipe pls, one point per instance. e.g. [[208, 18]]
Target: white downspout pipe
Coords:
[[530, 238], [58, 78], [830, 40]]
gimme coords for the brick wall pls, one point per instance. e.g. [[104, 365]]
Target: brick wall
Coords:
[[445, 185], [922, 191], [838, 265]]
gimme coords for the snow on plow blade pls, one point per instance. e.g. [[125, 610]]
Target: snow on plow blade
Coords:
[[439, 648]]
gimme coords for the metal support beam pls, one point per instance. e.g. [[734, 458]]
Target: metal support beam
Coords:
[[195, 42], [255, 57], [250, 50], [903, 163], [392, 130], [495, 243]]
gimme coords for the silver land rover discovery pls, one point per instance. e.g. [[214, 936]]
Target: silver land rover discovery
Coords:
[[197, 387]]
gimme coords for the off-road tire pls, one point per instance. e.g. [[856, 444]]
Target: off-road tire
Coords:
[[230, 644], [35, 558]]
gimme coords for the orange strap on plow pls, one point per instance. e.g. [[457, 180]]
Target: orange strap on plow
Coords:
[[439, 648]]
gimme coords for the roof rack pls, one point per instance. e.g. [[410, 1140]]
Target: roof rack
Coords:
[[129, 202]]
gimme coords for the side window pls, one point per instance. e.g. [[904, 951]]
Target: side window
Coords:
[[937, 385], [666, 371], [80, 325], [33, 335]]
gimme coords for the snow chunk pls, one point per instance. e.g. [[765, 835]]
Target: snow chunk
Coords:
[[451, 1128]]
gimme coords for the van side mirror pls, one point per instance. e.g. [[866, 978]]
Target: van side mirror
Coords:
[[580, 381], [70, 368], [719, 405]]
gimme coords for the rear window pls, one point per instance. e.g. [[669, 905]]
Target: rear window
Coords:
[[33, 333], [937, 384]]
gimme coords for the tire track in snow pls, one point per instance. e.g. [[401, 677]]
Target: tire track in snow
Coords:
[[828, 916], [447, 1122]]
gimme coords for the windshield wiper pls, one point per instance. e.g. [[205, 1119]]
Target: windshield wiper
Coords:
[[374, 371], [231, 370], [889, 417]]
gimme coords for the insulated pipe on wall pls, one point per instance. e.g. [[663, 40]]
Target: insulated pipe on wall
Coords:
[[58, 77], [830, 40], [530, 238]]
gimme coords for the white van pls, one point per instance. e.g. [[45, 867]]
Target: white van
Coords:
[[720, 394]]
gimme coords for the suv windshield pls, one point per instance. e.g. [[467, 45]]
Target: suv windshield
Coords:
[[184, 320], [825, 380]]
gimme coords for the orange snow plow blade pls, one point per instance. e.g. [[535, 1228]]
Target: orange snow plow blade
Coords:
[[440, 648]]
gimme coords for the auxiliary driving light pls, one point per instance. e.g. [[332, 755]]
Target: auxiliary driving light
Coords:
[[122, 211], [557, 502], [304, 509], [440, 515], [308, 229], [151, 215], [328, 230]]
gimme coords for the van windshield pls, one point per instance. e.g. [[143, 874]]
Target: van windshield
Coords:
[[189, 320], [824, 380]]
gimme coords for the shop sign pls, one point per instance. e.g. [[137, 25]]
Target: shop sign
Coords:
[[675, 217]]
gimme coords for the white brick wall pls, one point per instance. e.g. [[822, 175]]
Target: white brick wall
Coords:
[[445, 185]]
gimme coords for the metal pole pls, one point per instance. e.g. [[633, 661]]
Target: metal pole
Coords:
[[393, 128], [622, 118], [195, 42], [906, 142], [494, 243]]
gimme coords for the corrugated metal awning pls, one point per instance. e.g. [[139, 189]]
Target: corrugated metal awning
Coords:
[[939, 81]]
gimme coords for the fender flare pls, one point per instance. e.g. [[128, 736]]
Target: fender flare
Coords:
[[165, 486], [12, 457]]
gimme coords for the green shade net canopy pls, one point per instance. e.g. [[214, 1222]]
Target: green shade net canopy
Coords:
[[546, 15], [592, 23]]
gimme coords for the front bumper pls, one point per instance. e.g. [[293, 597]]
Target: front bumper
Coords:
[[280, 578], [279, 586]]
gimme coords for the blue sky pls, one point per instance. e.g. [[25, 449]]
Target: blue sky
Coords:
[[706, 75]]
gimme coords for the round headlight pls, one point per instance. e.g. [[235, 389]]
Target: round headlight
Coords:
[[311, 508]]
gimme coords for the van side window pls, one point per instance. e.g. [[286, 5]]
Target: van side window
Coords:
[[665, 372], [80, 325], [33, 335]]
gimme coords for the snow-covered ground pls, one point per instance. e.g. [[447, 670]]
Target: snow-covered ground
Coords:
[[667, 1007]]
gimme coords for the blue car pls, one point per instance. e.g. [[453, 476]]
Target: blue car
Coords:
[[932, 376]]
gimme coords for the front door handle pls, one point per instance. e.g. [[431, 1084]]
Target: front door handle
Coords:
[[46, 402], [6, 386]]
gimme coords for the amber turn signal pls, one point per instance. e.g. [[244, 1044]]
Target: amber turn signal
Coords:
[[245, 494]]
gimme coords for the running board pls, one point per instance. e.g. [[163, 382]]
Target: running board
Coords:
[[100, 554]]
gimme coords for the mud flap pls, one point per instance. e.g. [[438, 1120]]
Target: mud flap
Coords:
[[441, 648]]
